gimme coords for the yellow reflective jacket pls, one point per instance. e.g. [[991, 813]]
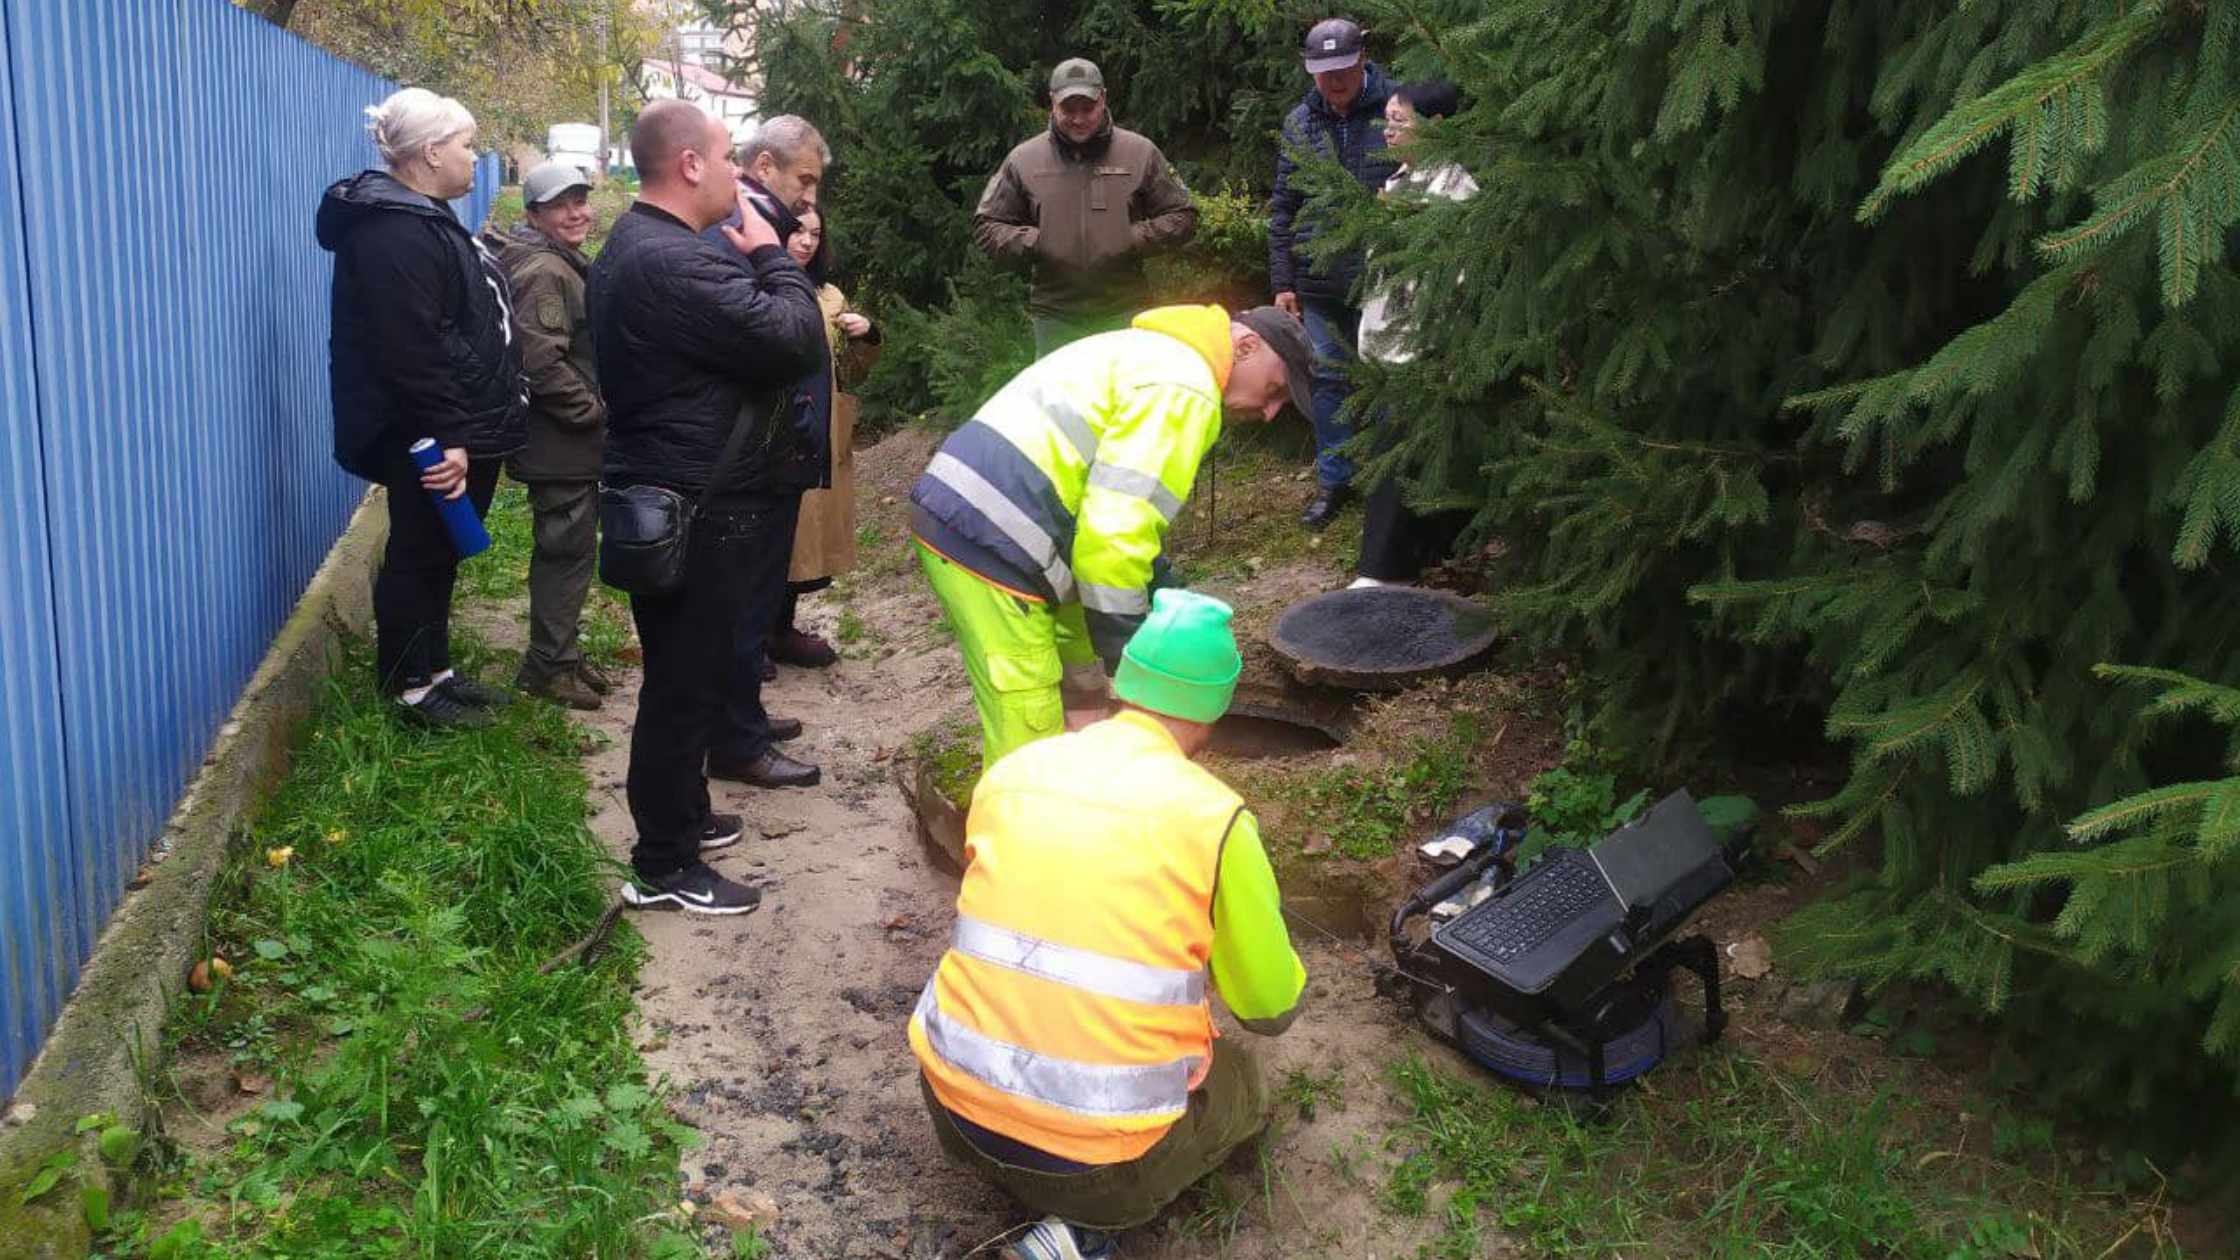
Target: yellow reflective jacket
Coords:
[[1062, 487], [1070, 1011]]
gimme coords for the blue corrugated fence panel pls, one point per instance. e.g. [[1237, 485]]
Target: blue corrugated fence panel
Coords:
[[165, 479], [38, 950]]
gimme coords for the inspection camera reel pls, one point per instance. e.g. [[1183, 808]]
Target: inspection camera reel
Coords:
[[1616, 1036]]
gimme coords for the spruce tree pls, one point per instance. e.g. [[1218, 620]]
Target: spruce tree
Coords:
[[1873, 362]]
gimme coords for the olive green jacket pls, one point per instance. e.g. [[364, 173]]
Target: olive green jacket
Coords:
[[1084, 216], [567, 417]]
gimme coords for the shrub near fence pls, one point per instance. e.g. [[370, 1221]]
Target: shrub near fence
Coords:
[[166, 490]]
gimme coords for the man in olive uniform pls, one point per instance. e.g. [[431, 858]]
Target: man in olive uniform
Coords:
[[544, 262], [1083, 204]]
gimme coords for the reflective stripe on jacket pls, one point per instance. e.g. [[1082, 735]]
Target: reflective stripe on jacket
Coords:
[[1070, 1011], [1065, 482]]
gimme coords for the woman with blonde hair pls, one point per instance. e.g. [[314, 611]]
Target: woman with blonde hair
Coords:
[[421, 349]]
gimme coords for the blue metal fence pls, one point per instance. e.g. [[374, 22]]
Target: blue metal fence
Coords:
[[165, 485]]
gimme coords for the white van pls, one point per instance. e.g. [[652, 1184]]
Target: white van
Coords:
[[576, 144]]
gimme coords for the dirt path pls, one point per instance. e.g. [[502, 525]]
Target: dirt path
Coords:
[[783, 1032]]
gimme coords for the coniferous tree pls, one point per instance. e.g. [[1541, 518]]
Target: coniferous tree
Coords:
[[1874, 361]]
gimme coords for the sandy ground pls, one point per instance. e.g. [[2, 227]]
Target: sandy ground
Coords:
[[782, 1032]]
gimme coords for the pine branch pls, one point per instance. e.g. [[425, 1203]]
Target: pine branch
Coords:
[[2165, 183], [1971, 126]]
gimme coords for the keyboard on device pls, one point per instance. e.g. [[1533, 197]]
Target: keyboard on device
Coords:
[[1549, 898]]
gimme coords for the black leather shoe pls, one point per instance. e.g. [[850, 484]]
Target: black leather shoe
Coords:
[[1330, 501], [773, 769], [801, 650], [784, 729]]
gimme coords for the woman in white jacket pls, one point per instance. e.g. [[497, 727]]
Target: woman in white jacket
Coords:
[[1397, 544]]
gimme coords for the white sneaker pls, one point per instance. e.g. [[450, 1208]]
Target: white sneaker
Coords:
[[1362, 584], [1053, 1239]]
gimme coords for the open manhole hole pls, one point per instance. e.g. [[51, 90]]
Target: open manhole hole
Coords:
[[1382, 638], [1250, 736], [1270, 722]]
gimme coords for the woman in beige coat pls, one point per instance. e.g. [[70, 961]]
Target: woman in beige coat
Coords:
[[824, 544]]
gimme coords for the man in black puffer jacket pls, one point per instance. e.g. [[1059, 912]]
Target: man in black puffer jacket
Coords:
[[1342, 116], [691, 338], [421, 348]]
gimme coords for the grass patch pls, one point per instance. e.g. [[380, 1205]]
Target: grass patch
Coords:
[[1366, 810], [502, 573], [1731, 1159], [952, 751], [422, 1087]]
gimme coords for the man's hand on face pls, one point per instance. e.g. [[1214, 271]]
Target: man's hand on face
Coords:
[[753, 231]]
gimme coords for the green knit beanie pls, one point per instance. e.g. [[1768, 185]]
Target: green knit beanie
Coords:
[[1183, 660]]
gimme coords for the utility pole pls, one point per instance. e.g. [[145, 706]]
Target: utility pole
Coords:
[[606, 71]]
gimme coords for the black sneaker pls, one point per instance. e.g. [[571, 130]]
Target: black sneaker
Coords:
[[474, 692], [696, 889], [439, 710], [722, 831]]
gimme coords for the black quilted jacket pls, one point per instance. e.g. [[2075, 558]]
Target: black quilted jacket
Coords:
[[689, 336], [1358, 142]]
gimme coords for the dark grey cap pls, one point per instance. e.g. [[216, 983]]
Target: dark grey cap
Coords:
[[1288, 338], [550, 180], [1075, 76], [1333, 44]]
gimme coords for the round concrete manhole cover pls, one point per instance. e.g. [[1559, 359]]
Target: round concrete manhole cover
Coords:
[[1382, 638]]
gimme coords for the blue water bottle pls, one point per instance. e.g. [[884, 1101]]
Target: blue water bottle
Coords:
[[467, 535]]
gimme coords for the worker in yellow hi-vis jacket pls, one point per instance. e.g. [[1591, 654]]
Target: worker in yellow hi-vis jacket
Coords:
[[1042, 521]]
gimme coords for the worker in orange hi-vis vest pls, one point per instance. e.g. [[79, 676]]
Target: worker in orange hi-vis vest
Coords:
[[1066, 1041]]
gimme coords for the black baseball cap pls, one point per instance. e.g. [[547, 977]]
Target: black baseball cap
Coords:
[[1288, 338], [1333, 44]]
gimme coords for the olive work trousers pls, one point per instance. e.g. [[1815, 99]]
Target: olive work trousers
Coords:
[[1226, 1111]]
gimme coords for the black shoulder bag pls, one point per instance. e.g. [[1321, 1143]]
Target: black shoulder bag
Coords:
[[644, 531]]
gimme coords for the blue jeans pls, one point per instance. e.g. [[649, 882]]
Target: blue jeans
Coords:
[[1331, 331]]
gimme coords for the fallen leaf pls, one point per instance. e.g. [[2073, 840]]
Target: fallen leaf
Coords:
[[337, 836], [142, 879], [23, 1113], [277, 858], [220, 968], [1316, 842], [898, 923], [738, 1214], [251, 1082], [1751, 958], [198, 978]]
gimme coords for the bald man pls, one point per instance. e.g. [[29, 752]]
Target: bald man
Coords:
[[695, 338]]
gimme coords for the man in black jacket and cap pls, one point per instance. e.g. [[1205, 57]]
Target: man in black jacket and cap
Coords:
[[1342, 115], [691, 338]]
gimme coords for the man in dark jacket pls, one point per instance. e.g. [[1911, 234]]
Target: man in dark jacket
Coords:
[[421, 348], [692, 338], [567, 424], [1085, 202], [1342, 117]]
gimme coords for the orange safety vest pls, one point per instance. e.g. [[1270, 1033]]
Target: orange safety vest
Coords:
[[1070, 1011]]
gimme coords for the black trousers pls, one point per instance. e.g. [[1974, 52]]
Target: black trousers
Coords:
[[744, 733], [412, 593], [690, 641]]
